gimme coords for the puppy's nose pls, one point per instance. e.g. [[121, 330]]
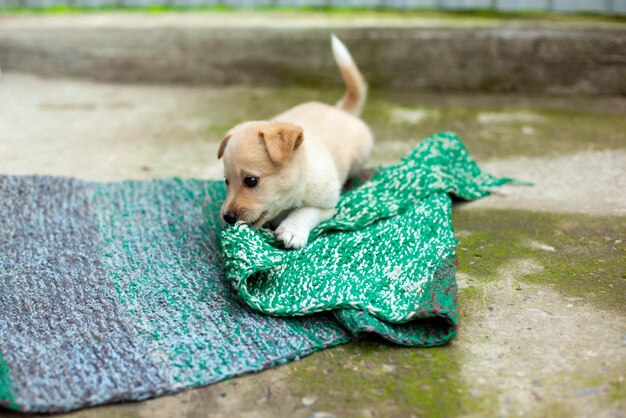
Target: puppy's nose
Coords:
[[230, 218]]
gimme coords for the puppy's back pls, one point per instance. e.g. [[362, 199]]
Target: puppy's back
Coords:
[[346, 138]]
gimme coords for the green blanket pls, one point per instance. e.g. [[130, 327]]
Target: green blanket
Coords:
[[383, 263]]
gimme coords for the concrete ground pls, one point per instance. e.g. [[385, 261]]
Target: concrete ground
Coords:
[[542, 269]]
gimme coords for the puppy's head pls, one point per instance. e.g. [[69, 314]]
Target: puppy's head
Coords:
[[260, 170]]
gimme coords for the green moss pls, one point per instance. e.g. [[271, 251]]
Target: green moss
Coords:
[[617, 387], [471, 300], [396, 380], [554, 132], [587, 262]]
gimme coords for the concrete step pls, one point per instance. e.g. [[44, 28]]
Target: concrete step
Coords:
[[282, 48]]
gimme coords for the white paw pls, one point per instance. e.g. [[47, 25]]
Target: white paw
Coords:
[[291, 236]]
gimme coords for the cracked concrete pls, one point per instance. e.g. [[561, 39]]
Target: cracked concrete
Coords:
[[541, 270]]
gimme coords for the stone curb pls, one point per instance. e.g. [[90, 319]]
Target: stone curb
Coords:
[[496, 59]]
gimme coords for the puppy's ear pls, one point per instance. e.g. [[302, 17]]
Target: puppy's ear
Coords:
[[220, 150], [281, 140]]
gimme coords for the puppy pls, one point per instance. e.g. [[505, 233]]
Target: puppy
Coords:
[[289, 171]]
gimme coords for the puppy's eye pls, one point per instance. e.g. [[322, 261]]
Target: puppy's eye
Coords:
[[226, 181], [251, 181]]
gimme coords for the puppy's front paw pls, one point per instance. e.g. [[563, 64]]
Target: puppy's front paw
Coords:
[[291, 236]]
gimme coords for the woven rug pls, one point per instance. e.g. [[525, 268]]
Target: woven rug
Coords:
[[118, 291]]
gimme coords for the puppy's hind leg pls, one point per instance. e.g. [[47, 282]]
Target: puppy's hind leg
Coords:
[[295, 229]]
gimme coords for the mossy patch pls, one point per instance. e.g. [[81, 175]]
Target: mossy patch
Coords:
[[547, 132], [391, 381], [582, 256]]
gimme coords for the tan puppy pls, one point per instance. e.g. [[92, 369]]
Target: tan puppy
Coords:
[[292, 168]]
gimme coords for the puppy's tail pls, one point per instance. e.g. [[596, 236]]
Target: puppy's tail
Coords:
[[356, 87]]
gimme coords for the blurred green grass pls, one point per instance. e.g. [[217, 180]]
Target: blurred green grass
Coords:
[[356, 12]]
